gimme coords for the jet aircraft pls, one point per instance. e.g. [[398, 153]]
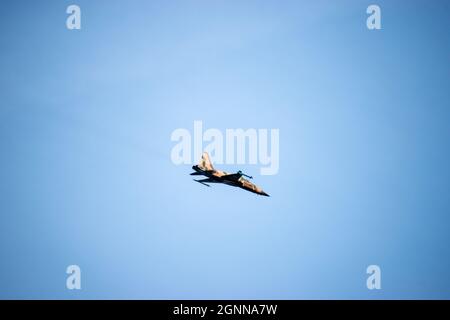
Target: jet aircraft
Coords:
[[237, 179]]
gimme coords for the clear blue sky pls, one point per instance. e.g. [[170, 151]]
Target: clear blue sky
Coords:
[[86, 118]]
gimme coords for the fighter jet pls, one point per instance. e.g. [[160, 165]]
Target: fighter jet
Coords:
[[237, 179]]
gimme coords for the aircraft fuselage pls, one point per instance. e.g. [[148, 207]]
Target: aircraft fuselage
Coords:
[[234, 180]]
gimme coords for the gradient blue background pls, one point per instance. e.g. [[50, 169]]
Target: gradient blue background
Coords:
[[86, 176]]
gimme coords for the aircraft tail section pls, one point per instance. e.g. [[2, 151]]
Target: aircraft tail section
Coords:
[[205, 162]]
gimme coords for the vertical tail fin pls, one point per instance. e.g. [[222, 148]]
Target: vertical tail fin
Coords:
[[205, 162]]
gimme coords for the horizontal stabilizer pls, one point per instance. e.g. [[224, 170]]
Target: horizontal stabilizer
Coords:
[[200, 181]]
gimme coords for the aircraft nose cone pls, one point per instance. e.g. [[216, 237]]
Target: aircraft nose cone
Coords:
[[264, 194]]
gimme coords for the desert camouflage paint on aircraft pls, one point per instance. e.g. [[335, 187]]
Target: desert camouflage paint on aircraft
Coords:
[[237, 179]]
